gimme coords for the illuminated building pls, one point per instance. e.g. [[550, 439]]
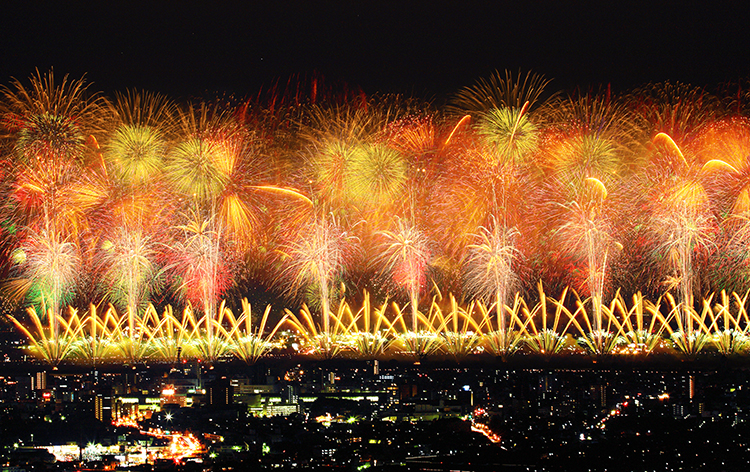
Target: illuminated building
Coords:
[[39, 381], [220, 392], [103, 406]]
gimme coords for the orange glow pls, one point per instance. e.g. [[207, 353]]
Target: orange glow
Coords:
[[458, 125], [486, 431], [663, 139]]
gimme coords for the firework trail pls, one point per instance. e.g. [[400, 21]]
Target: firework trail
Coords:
[[317, 259], [682, 220], [316, 196], [405, 255]]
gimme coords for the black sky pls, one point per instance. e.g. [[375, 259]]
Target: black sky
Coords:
[[427, 49]]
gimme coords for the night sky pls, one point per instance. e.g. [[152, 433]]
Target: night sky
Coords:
[[424, 49]]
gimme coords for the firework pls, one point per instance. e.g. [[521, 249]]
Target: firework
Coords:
[[676, 109], [49, 267], [370, 333], [317, 259], [601, 341], [729, 327], [129, 267], [586, 234], [642, 322], [378, 175], [144, 109], [135, 154], [461, 335], [197, 258], [49, 342], [99, 338], [195, 169], [132, 334], [623, 200], [95, 341], [509, 134], [499, 91], [209, 338], [501, 340], [326, 342], [684, 222], [171, 336], [545, 338], [213, 170], [405, 254], [250, 342], [489, 271]]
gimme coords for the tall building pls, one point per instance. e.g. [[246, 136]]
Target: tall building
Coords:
[[39, 381], [103, 406], [289, 395], [599, 394], [130, 382], [691, 386], [220, 392]]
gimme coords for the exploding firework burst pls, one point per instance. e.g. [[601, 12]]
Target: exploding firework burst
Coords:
[[317, 259], [406, 256], [130, 271], [135, 154], [577, 192], [500, 91]]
